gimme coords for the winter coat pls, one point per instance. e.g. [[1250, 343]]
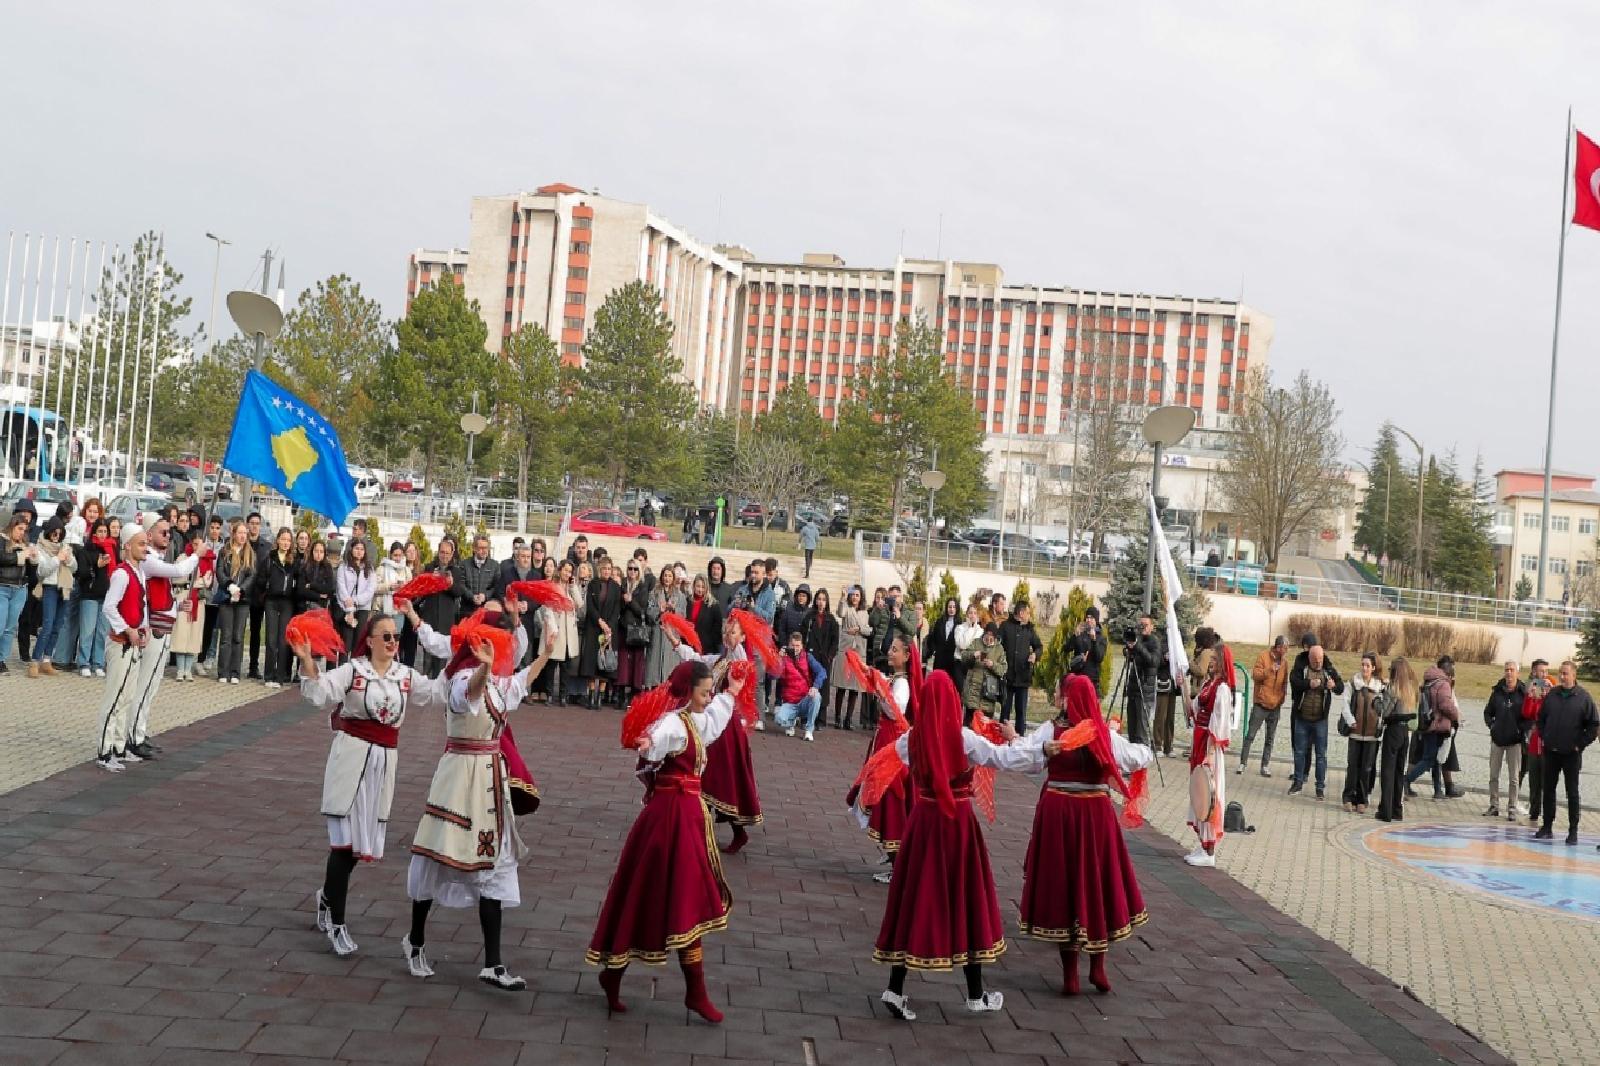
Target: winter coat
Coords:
[[314, 586], [662, 657], [1568, 720], [1272, 681], [1362, 718], [707, 616], [939, 650], [1021, 640], [850, 618], [822, 639], [977, 670], [443, 609], [1300, 687], [795, 617], [1502, 713], [1440, 695]]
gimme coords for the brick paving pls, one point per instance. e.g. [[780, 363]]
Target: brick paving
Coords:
[[161, 916]]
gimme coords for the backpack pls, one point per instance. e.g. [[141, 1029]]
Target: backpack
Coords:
[[1424, 710]]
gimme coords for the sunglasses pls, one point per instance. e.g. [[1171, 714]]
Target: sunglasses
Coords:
[[387, 638]]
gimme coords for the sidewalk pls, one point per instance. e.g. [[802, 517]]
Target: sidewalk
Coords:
[[162, 916]]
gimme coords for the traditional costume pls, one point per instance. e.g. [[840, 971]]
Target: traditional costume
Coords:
[[728, 781], [942, 910], [466, 848], [885, 820], [358, 782], [668, 890], [1078, 885], [164, 583], [1213, 723], [126, 611]]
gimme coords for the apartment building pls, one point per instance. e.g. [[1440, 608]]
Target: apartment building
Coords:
[[427, 267], [1574, 526]]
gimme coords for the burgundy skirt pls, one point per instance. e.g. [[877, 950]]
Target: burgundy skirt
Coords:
[[668, 890], [729, 777], [1078, 884], [630, 667], [942, 910], [886, 822]]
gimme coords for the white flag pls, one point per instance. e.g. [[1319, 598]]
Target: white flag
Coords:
[[1169, 580]]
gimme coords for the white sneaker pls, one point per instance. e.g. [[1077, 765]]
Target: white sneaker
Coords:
[[811, 734], [200, 670], [130, 756], [233, 680], [989, 1001], [1199, 857], [789, 732], [760, 725], [110, 764], [222, 681], [273, 684], [883, 877], [501, 978], [416, 958], [324, 912], [339, 937], [85, 672], [99, 671], [899, 1006]]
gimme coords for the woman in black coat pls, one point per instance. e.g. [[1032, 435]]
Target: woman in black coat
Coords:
[[822, 640], [313, 580], [442, 610], [602, 618], [705, 613], [939, 649]]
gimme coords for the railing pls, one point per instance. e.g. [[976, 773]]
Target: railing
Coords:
[[944, 554], [536, 518]]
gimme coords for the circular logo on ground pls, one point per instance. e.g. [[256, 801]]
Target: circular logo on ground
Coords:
[[1503, 862]]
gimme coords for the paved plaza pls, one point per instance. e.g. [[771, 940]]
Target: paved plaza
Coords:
[[161, 916]]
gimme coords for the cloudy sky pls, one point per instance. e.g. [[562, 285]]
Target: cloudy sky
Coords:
[[1386, 183]]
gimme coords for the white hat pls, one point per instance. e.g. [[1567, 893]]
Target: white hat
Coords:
[[148, 520], [129, 531]]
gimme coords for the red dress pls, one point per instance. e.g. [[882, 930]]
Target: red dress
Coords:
[[668, 890], [886, 821], [942, 910], [729, 777], [1078, 884]]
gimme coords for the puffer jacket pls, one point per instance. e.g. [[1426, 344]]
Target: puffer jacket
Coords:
[[1502, 713]]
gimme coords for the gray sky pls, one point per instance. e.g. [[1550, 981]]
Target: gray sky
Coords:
[[1385, 183]]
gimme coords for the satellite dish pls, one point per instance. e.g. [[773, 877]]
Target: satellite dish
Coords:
[[1168, 425], [255, 314], [473, 423]]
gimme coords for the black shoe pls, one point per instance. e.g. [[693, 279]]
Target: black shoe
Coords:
[[1411, 793], [1572, 838], [1543, 834], [1295, 787], [1321, 795], [144, 751], [1454, 792], [253, 676], [4, 669]]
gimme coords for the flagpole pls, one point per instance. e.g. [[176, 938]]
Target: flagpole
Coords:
[[1555, 346]]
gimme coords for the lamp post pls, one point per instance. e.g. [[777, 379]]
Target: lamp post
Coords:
[[216, 271], [1163, 428], [472, 423], [933, 481], [257, 315], [1422, 474]]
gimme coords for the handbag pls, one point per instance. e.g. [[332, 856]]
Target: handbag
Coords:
[[606, 660], [636, 634], [989, 691]]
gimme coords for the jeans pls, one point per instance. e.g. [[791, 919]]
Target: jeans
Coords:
[[1308, 737], [1429, 760], [231, 619], [12, 599], [1260, 717], [1015, 699], [50, 618], [1511, 755], [66, 650], [183, 663], [806, 708], [92, 630], [1557, 763]]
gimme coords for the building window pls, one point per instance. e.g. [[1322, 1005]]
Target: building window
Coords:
[[1586, 526], [1560, 523], [572, 323], [577, 272], [1558, 566], [1530, 564], [1583, 567], [580, 247], [511, 291], [571, 348], [581, 223], [1530, 519], [576, 298]]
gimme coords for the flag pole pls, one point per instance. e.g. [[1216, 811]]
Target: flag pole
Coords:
[[1555, 345]]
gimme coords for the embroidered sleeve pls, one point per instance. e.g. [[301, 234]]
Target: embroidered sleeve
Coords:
[[459, 703], [715, 718], [327, 688], [1130, 757]]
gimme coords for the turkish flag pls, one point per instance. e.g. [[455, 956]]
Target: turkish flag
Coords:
[[1586, 182]]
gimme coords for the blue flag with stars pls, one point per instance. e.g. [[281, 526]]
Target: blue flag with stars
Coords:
[[279, 441]]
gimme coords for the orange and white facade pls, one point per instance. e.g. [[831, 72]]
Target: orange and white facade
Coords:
[[428, 266]]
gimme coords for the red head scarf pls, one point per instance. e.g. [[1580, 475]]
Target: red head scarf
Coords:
[[479, 626], [914, 681], [1225, 669], [936, 748]]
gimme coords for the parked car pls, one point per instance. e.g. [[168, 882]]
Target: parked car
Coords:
[[405, 483], [128, 506], [983, 538], [749, 515], [183, 482], [44, 494], [209, 485], [368, 488], [612, 523]]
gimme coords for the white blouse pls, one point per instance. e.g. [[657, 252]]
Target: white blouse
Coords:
[[1130, 757], [361, 692], [980, 752], [668, 737]]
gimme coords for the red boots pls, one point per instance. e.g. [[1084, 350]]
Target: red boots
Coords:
[[611, 982], [694, 980]]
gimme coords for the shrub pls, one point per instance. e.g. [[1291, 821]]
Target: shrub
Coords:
[[420, 539], [1428, 641], [948, 590], [1352, 633], [917, 589], [1417, 638], [455, 527], [1021, 594], [375, 535]]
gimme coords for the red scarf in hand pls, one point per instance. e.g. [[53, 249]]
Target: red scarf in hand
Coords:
[[208, 567], [108, 548]]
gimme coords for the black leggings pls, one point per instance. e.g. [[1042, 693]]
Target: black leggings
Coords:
[[972, 971], [336, 882], [488, 917]]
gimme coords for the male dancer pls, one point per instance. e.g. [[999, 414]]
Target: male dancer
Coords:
[[125, 611], [159, 575]]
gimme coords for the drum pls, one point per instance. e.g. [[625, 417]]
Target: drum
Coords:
[[1202, 796]]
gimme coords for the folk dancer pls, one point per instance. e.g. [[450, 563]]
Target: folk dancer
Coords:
[[885, 820], [1211, 715], [126, 613], [668, 891], [164, 583], [728, 781]]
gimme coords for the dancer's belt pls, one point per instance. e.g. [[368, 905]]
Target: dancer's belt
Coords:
[[689, 786], [1076, 788], [962, 793], [453, 746], [385, 736]]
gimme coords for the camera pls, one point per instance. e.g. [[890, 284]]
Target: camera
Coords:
[[1130, 636]]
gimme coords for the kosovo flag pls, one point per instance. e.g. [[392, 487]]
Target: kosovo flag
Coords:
[[279, 441]]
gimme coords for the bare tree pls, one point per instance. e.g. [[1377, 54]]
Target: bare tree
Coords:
[[1283, 472], [1103, 490], [770, 470]]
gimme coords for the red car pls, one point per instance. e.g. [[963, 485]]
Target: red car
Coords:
[[609, 523], [401, 483]]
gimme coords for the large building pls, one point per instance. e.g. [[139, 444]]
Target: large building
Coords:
[[1519, 519], [746, 328]]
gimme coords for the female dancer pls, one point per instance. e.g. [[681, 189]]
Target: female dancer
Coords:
[[466, 847], [369, 696], [885, 820], [668, 890], [1212, 718], [942, 910], [728, 780], [1078, 887]]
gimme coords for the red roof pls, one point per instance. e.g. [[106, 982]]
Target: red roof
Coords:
[[558, 187]]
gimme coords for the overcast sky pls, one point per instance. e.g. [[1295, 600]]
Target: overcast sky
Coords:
[[1385, 183]]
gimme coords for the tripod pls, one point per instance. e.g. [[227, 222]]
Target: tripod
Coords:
[[1146, 712]]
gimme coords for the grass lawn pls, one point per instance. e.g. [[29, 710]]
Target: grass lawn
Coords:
[[742, 539]]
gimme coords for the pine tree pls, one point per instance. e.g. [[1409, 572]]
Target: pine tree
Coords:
[[1124, 600], [917, 588], [308, 521], [1524, 590], [455, 527], [1376, 523], [420, 539], [948, 590], [1021, 595], [374, 535], [1057, 658], [1588, 655]]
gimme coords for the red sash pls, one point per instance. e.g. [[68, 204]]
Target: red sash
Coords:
[[385, 736]]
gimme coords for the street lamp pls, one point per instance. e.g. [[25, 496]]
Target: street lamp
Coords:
[[933, 481], [1163, 427], [216, 270], [1422, 473], [472, 423]]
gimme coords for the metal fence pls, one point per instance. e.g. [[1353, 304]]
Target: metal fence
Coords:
[[943, 554]]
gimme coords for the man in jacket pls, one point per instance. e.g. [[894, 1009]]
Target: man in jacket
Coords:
[[1271, 677], [1508, 731], [258, 593], [758, 596], [1313, 686], [478, 574], [1143, 652], [795, 617], [1022, 649], [717, 582], [1088, 644], [519, 568], [1568, 723], [800, 680], [810, 536]]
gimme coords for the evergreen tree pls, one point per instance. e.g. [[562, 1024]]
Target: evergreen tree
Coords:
[[456, 527], [1124, 600], [332, 342], [1524, 590], [530, 406], [420, 539], [948, 590], [1057, 658], [917, 588], [1588, 654], [1020, 594], [1376, 529]]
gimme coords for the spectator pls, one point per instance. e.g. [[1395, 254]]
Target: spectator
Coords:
[[1271, 677], [891, 620], [1143, 652], [96, 556], [1533, 760], [1439, 717], [315, 583], [722, 590], [478, 574], [666, 598], [1088, 644], [968, 633], [760, 597], [443, 609], [705, 613], [355, 586], [578, 552], [1362, 722], [1166, 700], [691, 526], [795, 617], [997, 610], [1022, 648], [601, 627], [637, 632], [260, 548], [1568, 723], [647, 512], [302, 545], [56, 567], [642, 557], [780, 587], [822, 640], [393, 572], [236, 573], [520, 567], [810, 536], [939, 651], [538, 550], [1401, 710], [985, 685], [189, 622], [1508, 732], [855, 629], [276, 572], [800, 679], [1312, 686], [15, 557]]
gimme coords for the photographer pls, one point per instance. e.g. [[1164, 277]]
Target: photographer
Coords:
[[1089, 641], [1143, 653], [887, 621]]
